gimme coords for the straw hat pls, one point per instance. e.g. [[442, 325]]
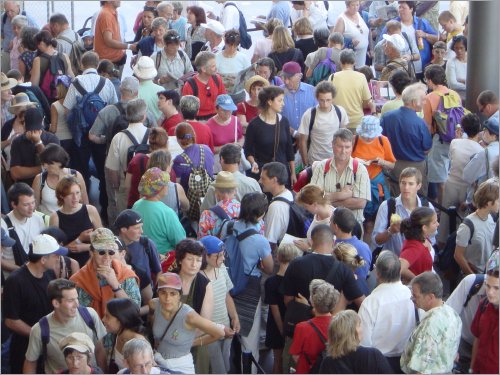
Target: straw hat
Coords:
[[8, 83], [256, 78], [20, 102], [225, 180]]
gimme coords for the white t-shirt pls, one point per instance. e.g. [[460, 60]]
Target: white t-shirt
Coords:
[[26, 229], [461, 151], [410, 31], [277, 217]]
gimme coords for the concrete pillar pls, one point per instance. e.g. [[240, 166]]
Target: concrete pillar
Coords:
[[483, 50]]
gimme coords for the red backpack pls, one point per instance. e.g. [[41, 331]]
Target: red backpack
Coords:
[[56, 66]]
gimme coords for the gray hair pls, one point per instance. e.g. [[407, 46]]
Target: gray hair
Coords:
[[203, 58], [177, 6], [429, 283], [189, 106], [159, 22], [413, 93], [20, 21], [130, 84], [136, 345], [288, 252], [163, 6], [323, 295], [136, 109], [388, 267], [336, 38], [344, 134], [347, 56]]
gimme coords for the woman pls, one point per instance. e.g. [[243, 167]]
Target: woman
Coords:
[[78, 349], [154, 42], [345, 355], [58, 123], [303, 31], [18, 23], [314, 200], [171, 62], [438, 54], [7, 85], [176, 325], [256, 252], [76, 220], [195, 34], [46, 46], [456, 67], [373, 150], [417, 253], [266, 68], [145, 30], [347, 254], [224, 308], [283, 49], [309, 337], [398, 81], [268, 135], [123, 322], [230, 63], [160, 221], [352, 26], [225, 127], [54, 161], [249, 109], [108, 70], [263, 46], [29, 51]]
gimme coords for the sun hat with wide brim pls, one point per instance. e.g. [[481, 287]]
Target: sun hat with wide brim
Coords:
[[8, 83], [369, 127], [256, 78], [145, 68], [20, 102]]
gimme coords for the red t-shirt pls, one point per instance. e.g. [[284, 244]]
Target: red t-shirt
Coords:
[[485, 328], [207, 93], [417, 255], [250, 112], [223, 134], [203, 134], [307, 341], [170, 123]]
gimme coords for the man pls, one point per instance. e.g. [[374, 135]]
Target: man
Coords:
[[485, 324], [299, 96], [328, 118], [229, 16], [168, 103], [21, 225], [178, 21], [141, 251], [89, 80], [25, 150], [165, 10], [145, 72], [409, 136], [393, 47], [64, 320], [438, 161], [206, 85], [138, 358], [214, 32], [117, 158], [281, 11], [352, 90], [107, 38], [343, 224], [189, 107], [230, 157], [314, 11], [433, 345], [102, 278], [387, 233], [387, 314], [335, 43], [65, 36], [487, 103], [449, 24], [273, 178], [345, 185], [25, 296]]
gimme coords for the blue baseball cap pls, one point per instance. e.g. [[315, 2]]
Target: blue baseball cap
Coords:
[[226, 102], [492, 125], [212, 244]]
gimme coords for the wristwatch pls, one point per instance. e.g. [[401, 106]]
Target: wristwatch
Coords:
[[117, 289], [39, 143]]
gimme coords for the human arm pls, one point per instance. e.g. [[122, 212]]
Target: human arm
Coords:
[[207, 307], [406, 274], [69, 70], [114, 44], [212, 331], [18, 326], [233, 314], [431, 38], [275, 311], [303, 148], [459, 257], [35, 72], [339, 26], [183, 200], [453, 81], [53, 119], [267, 264], [20, 173], [9, 265], [146, 296], [83, 187], [114, 177], [36, 189], [474, 354]]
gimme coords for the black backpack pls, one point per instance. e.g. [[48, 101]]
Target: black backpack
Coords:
[[20, 255], [77, 51], [245, 38], [313, 118], [300, 219], [322, 355], [446, 256], [137, 148]]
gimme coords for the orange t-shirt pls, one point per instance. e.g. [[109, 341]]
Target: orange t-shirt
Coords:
[[107, 20], [370, 151]]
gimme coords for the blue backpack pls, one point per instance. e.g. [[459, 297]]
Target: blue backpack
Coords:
[[324, 69], [82, 116], [234, 258], [245, 38]]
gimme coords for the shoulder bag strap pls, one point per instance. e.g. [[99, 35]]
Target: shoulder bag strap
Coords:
[[311, 124], [276, 137], [169, 324], [316, 329]]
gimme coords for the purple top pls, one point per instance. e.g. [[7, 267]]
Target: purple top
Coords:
[[183, 169]]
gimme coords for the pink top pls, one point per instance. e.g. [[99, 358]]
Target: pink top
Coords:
[[224, 134]]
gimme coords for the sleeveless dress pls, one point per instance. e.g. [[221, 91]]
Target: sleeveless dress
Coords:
[[352, 31], [72, 225]]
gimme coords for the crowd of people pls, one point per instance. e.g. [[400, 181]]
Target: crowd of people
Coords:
[[275, 200]]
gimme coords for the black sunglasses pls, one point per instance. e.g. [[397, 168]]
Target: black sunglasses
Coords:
[[104, 252], [209, 94]]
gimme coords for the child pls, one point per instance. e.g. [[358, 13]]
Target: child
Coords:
[[275, 337], [438, 54]]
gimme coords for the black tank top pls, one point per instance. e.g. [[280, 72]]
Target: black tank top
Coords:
[[72, 225]]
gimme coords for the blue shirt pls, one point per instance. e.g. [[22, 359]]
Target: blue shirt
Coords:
[[253, 248], [407, 133], [180, 26], [8, 33], [139, 257], [280, 10], [364, 252], [297, 102], [425, 26]]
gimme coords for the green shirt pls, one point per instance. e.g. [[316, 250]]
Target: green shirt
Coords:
[[148, 92]]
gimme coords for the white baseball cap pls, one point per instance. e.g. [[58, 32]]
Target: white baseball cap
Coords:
[[215, 26], [396, 40], [43, 244]]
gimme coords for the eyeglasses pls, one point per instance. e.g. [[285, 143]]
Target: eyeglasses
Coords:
[[104, 252]]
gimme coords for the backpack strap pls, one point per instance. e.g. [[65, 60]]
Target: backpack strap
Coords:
[[281, 199], [85, 314], [391, 209], [202, 157], [478, 283], [44, 336], [144, 241], [329, 52], [20, 256], [187, 159], [131, 137], [355, 164], [337, 111], [193, 85], [380, 141], [145, 138], [216, 80], [249, 232], [295, 54], [79, 87], [121, 109], [318, 332], [100, 85], [470, 225], [327, 167], [311, 124], [221, 214], [158, 60], [43, 179]]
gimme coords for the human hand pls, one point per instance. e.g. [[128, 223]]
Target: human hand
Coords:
[[211, 15], [236, 324], [293, 179], [420, 34], [133, 47], [108, 273], [34, 135], [301, 299], [255, 168], [85, 235], [302, 244], [395, 228], [75, 247], [228, 332]]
